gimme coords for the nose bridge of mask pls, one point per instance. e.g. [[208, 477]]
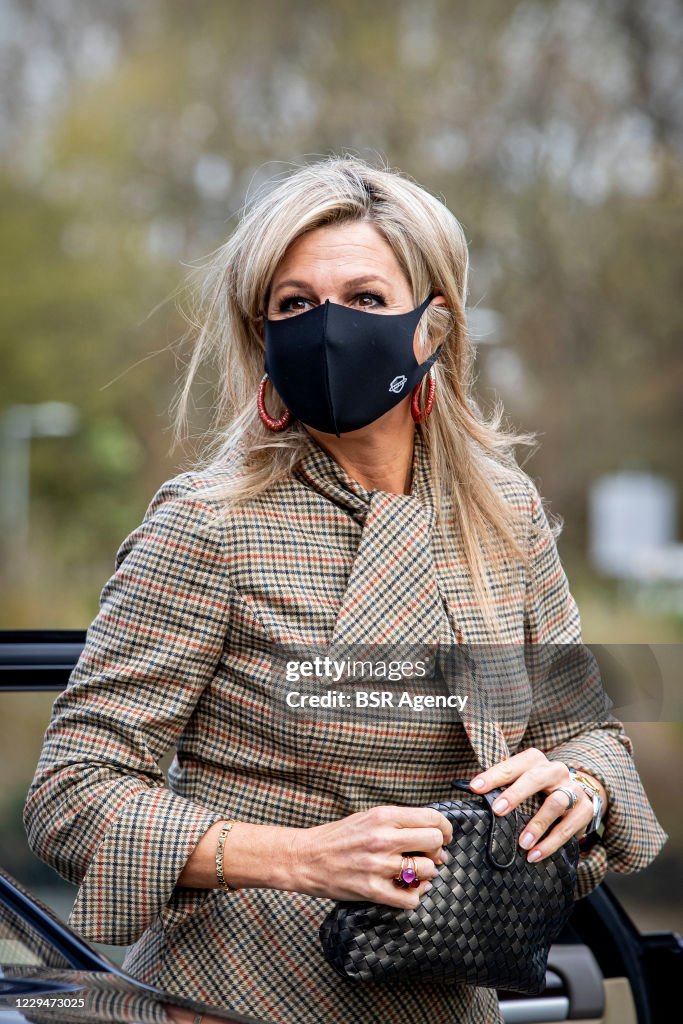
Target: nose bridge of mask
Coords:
[[329, 396]]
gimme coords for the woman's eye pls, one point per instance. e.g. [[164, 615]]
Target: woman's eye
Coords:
[[374, 300], [293, 304]]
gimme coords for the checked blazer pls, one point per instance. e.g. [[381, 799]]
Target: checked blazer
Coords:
[[179, 655]]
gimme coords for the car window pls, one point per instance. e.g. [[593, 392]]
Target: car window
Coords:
[[22, 945]]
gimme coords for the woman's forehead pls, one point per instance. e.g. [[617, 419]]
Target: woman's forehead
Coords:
[[356, 248]]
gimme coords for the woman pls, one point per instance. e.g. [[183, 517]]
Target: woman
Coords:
[[359, 497]]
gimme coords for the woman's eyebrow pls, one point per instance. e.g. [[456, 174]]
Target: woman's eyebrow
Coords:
[[355, 282]]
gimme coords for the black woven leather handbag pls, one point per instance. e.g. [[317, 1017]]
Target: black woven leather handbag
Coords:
[[488, 920]]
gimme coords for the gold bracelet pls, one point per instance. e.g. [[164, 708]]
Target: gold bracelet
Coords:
[[219, 859]]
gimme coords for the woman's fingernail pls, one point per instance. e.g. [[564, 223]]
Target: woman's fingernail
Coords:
[[527, 840], [477, 783], [428, 885], [535, 855], [500, 806], [445, 855]]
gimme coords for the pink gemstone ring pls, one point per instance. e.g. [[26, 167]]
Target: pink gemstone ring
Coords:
[[407, 877]]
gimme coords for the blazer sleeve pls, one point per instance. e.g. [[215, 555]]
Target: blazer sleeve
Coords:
[[574, 725], [98, 810]]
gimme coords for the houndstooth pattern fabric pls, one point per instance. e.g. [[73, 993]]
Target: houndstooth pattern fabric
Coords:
[[180, 654]]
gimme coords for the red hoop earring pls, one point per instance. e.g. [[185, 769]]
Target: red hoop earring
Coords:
[[266, 419], [420, 415]]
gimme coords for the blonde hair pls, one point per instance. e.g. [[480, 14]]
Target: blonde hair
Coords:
[[467, 451]]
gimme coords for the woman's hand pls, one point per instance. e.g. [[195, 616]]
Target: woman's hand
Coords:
[[531, 772], [354, 858], [357, 857]]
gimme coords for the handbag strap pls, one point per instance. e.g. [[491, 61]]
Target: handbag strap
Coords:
[[502, 844]]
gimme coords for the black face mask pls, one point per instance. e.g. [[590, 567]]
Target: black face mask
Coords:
[[338, 369]]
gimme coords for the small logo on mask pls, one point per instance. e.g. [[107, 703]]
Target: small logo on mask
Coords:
[[398, 383]]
